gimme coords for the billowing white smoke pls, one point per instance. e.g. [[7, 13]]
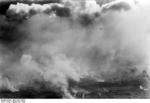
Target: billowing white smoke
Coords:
[[108, 42], [24, 10]]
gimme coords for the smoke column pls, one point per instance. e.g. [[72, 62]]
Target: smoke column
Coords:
[[61, 42]]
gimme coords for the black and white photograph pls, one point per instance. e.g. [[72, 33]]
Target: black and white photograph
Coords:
[[74, 49]]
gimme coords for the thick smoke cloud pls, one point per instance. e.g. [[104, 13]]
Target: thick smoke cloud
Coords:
[[61, 42], [116, 6]]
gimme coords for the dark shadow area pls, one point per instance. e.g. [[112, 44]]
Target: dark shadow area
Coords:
[[30, 93]]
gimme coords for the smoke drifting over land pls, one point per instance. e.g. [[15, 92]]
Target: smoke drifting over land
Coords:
[[57, 43]]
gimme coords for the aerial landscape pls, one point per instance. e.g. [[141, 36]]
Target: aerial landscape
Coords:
[[87, 49]]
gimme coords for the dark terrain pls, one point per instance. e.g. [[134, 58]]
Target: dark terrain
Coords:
[[126, 89]]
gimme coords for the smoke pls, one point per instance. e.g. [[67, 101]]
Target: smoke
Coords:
[[57, 43]]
